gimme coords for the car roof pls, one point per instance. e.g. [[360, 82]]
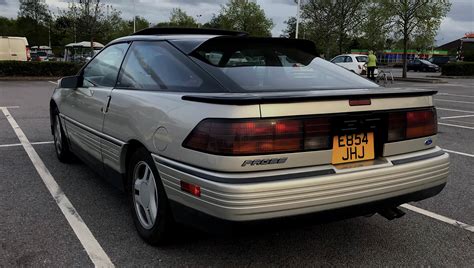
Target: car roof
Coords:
[[191, 36], [355, 55]]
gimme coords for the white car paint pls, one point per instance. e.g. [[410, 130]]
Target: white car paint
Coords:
[[352, 62]]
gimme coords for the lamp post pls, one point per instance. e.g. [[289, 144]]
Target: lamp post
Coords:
[[297, 18], [134, 16]]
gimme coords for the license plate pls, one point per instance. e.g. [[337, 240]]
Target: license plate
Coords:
[[353, 147]]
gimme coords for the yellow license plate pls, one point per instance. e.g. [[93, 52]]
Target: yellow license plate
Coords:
[[353, 147]]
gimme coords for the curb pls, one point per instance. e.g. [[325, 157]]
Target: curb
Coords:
[[455, 77], [421, 80], [29, 78]]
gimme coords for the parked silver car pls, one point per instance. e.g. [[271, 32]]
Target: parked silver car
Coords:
[[208, 124]]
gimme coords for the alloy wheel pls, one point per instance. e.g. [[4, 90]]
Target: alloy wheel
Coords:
[[145, 195]]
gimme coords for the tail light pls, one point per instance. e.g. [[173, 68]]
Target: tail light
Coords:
[[412, 124], [28, 54], [259, 136]]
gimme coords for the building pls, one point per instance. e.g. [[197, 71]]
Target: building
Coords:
[[393, 56], [461, 46]]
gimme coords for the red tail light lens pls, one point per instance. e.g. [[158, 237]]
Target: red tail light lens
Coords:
[[247, 137], [421, 124], [412, 124]]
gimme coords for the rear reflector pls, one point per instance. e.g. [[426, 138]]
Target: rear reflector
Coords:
[[412, 124], [190, 188], [259, 136], [359, 102]]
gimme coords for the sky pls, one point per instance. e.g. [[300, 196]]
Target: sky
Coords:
[[459, 20]]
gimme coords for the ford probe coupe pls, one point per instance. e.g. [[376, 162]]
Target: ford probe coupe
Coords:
[[211, 124]]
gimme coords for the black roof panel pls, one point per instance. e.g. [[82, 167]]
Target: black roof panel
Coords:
[[187, 31]]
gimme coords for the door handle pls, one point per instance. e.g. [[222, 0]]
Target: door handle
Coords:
[[106, 109]]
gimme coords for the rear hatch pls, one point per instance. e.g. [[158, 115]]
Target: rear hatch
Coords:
[[312, 112]]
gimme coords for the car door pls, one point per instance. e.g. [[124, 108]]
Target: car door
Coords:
[[416, 65], [83, 108]]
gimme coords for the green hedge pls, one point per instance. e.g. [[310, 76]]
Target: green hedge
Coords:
[[45, 68], [458, 69], [469, 56]]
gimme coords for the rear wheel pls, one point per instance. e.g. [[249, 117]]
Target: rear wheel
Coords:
[[149, 204], [61, 145]]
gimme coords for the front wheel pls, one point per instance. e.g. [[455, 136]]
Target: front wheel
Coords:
[[149, 204], [61, 145]]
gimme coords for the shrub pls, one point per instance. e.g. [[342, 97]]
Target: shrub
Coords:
[[45, 68], [469, 56], [458, 69]]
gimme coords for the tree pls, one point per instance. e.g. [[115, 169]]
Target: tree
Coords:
[[376, 27], [415, 17], [8, 26], [35, 10], [290, 30], [334, 20], [179, 18], [33, 21], [242, 15]]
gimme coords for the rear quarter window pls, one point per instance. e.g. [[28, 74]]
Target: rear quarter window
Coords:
[[157, 66]]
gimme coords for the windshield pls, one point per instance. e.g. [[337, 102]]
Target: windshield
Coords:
[[362, 58], [425, 61], [261, 67]]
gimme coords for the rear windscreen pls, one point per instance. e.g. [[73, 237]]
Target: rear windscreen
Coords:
[[273, 65]]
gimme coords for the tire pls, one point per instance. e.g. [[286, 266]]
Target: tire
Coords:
[[61, 145], [149, 204]]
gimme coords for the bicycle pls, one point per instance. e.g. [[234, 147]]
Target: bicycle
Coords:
[[383, 77]]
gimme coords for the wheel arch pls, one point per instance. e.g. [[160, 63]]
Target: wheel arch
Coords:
[[128, 149]]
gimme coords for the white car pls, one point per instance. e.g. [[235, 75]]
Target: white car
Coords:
[[353, 62]]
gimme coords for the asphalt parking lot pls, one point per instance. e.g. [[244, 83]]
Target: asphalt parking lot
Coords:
[[35, 232]]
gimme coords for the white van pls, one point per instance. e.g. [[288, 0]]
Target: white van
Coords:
[[14, 48]]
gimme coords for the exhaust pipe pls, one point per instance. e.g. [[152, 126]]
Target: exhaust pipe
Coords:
[[391, 213]]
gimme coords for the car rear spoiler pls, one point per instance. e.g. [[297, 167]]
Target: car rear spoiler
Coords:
[[240, 41], [249, 99]]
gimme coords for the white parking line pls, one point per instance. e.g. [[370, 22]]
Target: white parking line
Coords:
[[460, 153], [53, 82], [455, 95], [453, 125], [454, 110], [93, 249], [468, 102], [457, 116], [9, 107], [32, 143], [439, 217]]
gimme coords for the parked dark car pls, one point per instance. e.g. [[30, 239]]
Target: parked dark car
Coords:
[[422, 66], [440, 61]]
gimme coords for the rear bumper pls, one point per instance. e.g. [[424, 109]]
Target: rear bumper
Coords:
[[235, 197]]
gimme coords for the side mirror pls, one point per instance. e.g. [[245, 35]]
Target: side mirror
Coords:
[[71, 82]]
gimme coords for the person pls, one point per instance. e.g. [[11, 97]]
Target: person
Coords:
[[371, 65]]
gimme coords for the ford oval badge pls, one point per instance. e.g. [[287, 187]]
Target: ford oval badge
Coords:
[[429, 141]]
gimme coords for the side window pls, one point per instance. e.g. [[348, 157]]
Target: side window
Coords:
[[348, 59], [103, 69], [338, 59], [155, 66]]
